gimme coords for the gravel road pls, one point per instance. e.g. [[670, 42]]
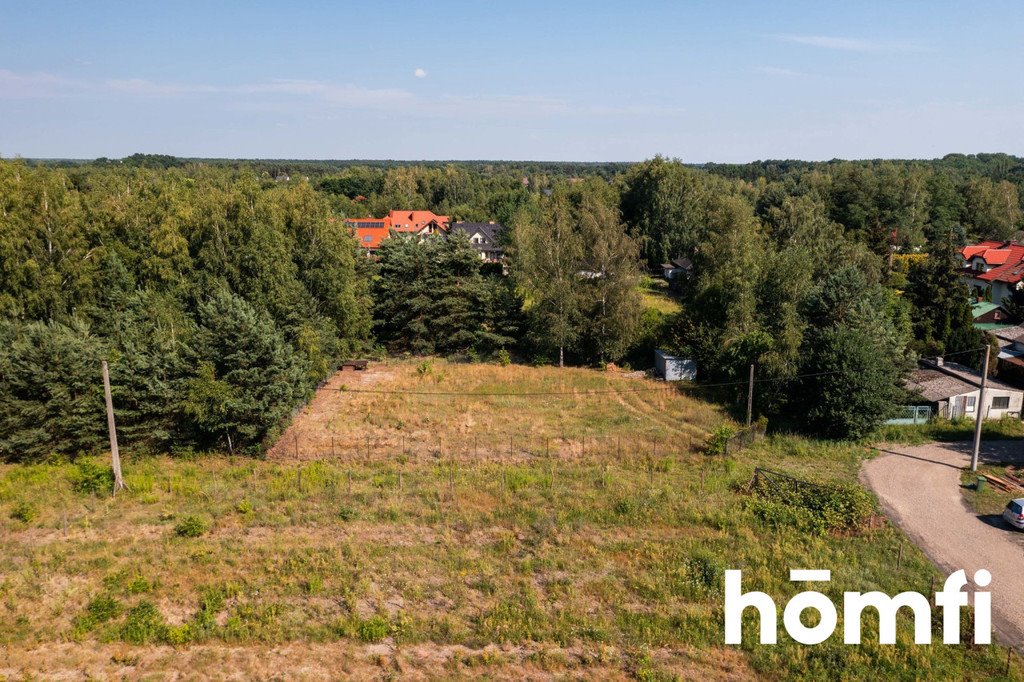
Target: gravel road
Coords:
[[919, 488]]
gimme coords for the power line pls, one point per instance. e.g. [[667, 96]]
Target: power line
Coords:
[[611, 391]]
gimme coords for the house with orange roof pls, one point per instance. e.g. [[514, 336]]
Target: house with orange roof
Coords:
[[421, 223], [993, 269], [370, 232]]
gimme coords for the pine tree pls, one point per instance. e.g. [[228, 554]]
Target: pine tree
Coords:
[[430, 297], [941, 311], [249, 379], [51, 394]]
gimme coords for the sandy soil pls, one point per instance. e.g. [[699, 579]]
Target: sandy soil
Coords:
[[311, 433], [919, 488]]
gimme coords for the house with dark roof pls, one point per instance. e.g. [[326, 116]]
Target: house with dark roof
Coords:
[[484, 237], [993, 270], [676, 268], [953, 391]]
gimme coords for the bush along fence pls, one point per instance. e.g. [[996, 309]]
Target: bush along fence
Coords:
[[726, 440], [781, 499]]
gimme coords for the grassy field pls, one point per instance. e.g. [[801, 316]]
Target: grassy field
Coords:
[[600, 560], [656, 295], [405, 409]]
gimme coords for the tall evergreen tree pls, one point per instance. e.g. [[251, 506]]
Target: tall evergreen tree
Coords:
[[249, 379], [941, 311], [51, 394]]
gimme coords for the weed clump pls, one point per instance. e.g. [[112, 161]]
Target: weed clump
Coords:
[[24, 512], [144, 625], [191, 527], [91, 478]]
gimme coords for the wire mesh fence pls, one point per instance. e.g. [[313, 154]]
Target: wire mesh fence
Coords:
[[484, 447], [744, 439]]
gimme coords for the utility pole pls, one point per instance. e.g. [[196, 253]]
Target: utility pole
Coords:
[[750, 395], [980, 413], [115, 456]]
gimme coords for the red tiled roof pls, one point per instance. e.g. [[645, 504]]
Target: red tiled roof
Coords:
[[1006, 259], [371, 237], [370, 232], [414, 221]]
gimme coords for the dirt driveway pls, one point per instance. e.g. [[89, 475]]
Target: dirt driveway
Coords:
[[919, 488]]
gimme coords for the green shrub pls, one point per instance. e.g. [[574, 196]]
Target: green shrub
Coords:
[[91, 478], [144, 625], [718, 440], [373, 629], [346, 513], [103, 608], [503, 357], [244, 507], [100, 610], [813, 507], [191, 527], [24, 512], [139, 585], [704, 573]]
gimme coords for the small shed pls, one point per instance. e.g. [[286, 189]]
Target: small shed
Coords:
[[354, 365], [673, 367]]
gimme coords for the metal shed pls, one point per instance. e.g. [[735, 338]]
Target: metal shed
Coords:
[[673, 367]]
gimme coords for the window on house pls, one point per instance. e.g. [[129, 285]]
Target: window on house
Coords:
[[1001, 402], [970, 403]]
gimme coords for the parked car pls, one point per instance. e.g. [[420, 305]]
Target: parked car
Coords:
[[1014, 513]]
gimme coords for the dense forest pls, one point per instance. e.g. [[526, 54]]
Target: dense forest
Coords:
[[223, 292]]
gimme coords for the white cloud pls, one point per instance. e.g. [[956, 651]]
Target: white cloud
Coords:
[[35, 85], [322, 98], [420, 73], [778, 71], [848, 44]]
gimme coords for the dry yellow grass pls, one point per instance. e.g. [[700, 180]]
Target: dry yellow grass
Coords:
[[409, 411], [438, 564]]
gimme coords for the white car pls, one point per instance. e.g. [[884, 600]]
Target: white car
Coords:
[[1014, 513]]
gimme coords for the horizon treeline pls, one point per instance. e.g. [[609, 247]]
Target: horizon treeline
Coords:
[[224, 293]]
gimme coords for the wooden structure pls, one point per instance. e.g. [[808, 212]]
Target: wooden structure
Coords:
[[354, 365]]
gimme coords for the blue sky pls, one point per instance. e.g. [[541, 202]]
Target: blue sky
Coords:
[[702, 81]]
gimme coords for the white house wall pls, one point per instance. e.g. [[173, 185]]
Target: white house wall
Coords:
[[1013, 410]]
